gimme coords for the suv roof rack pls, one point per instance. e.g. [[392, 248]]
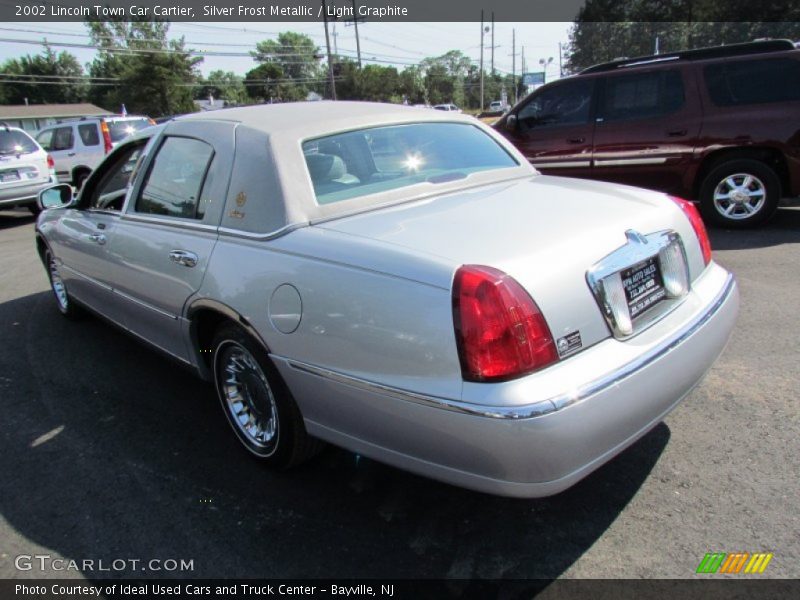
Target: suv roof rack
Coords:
[[758, 47]]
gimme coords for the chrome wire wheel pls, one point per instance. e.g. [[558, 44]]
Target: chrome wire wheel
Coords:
[[739, 196], [247, 397], [59, 289]]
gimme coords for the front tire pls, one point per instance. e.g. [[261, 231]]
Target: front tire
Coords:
[[66, 306], [739, 194], [256, 403]]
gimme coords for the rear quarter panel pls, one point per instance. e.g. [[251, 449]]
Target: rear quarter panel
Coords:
[[395, 330]]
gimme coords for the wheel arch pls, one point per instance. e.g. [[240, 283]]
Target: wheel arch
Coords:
[[205, 317]]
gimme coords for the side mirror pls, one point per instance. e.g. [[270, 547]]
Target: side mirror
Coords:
[[54, 197], [511, 122]]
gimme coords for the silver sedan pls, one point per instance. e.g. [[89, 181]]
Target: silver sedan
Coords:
[[399, 283]]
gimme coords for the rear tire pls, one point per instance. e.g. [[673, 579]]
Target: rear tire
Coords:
[[256, 402], [740, 193]]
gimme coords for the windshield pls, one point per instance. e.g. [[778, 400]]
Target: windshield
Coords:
[[16, 142], [119, 130], [368, 161]]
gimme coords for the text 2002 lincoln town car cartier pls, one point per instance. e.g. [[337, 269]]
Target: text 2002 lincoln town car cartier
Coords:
[[398, 282]]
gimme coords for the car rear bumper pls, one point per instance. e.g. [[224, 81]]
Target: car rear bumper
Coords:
[[522, 439], [22, 194]]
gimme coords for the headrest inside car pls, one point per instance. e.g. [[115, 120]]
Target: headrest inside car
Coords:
[[325, 167]]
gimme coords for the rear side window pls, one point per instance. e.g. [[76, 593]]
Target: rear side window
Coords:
[[642, 95], [16, 142], [176, 177], [119, 130], [753, 81], [62, 139], [89, 134]]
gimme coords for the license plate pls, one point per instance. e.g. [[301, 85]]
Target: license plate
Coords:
[[9, 176], [644, 286]]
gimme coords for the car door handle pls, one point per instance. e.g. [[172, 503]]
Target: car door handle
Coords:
[[71, 154], [98, 237], [677, 132], [182, 257], [577, 140]]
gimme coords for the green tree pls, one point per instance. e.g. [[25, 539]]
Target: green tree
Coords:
[[445, 77], [46, 78], [153, 75], [607, 29], [223, 85], [297, 57]]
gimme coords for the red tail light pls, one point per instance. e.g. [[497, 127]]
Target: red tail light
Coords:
[[108, 146], [500, 332], [51, 164], [693, 215]]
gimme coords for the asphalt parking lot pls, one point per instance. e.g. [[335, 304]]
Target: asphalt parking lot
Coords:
[[109, 451]]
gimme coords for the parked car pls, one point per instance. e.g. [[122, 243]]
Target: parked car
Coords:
[[435, 304], [497, 105], [447, 107], [78, 146], [717, 125], [25, 169]]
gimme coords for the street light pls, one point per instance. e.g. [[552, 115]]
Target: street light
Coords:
[[545, 62]]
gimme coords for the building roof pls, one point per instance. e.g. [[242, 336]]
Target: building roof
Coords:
[[38, 111]]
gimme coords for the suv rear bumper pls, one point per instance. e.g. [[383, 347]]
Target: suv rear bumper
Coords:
[[22, 194]]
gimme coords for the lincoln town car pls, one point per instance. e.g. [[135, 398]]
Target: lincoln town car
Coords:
[[399, 283]]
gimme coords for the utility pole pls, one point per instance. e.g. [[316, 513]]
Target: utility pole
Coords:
[[560, 66], [328, 45], [514, 62], [335, 38], [355, 24], [482, 32], [493, 43]]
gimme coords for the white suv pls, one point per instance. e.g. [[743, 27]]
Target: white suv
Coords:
[[25, 169], [78, 146]]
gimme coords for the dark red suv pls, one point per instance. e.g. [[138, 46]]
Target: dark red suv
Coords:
[[718, 125]]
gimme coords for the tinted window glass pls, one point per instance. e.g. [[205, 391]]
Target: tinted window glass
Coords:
[[62, 139], [119, 130], [45, 139], [563, 104], [89, 135], [753, 81], [16, 142], [173, 185], [374, 160], [642, 95]]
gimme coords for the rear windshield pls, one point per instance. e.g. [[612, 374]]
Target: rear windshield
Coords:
[[368, 161], [119, 130], [16, 142]]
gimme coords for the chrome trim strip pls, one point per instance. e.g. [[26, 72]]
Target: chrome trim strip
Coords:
[[248, 235], [144, 304], [178, 223], [619, 162], [108, 288], [542, 407], [560, 165]]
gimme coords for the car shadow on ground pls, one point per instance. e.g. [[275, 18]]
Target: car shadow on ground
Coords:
[[15, 218], [110, 451], [783, 228]]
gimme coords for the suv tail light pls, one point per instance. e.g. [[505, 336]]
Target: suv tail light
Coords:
[[51, 164], [693, 215], [500, 331], [106, 137]]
